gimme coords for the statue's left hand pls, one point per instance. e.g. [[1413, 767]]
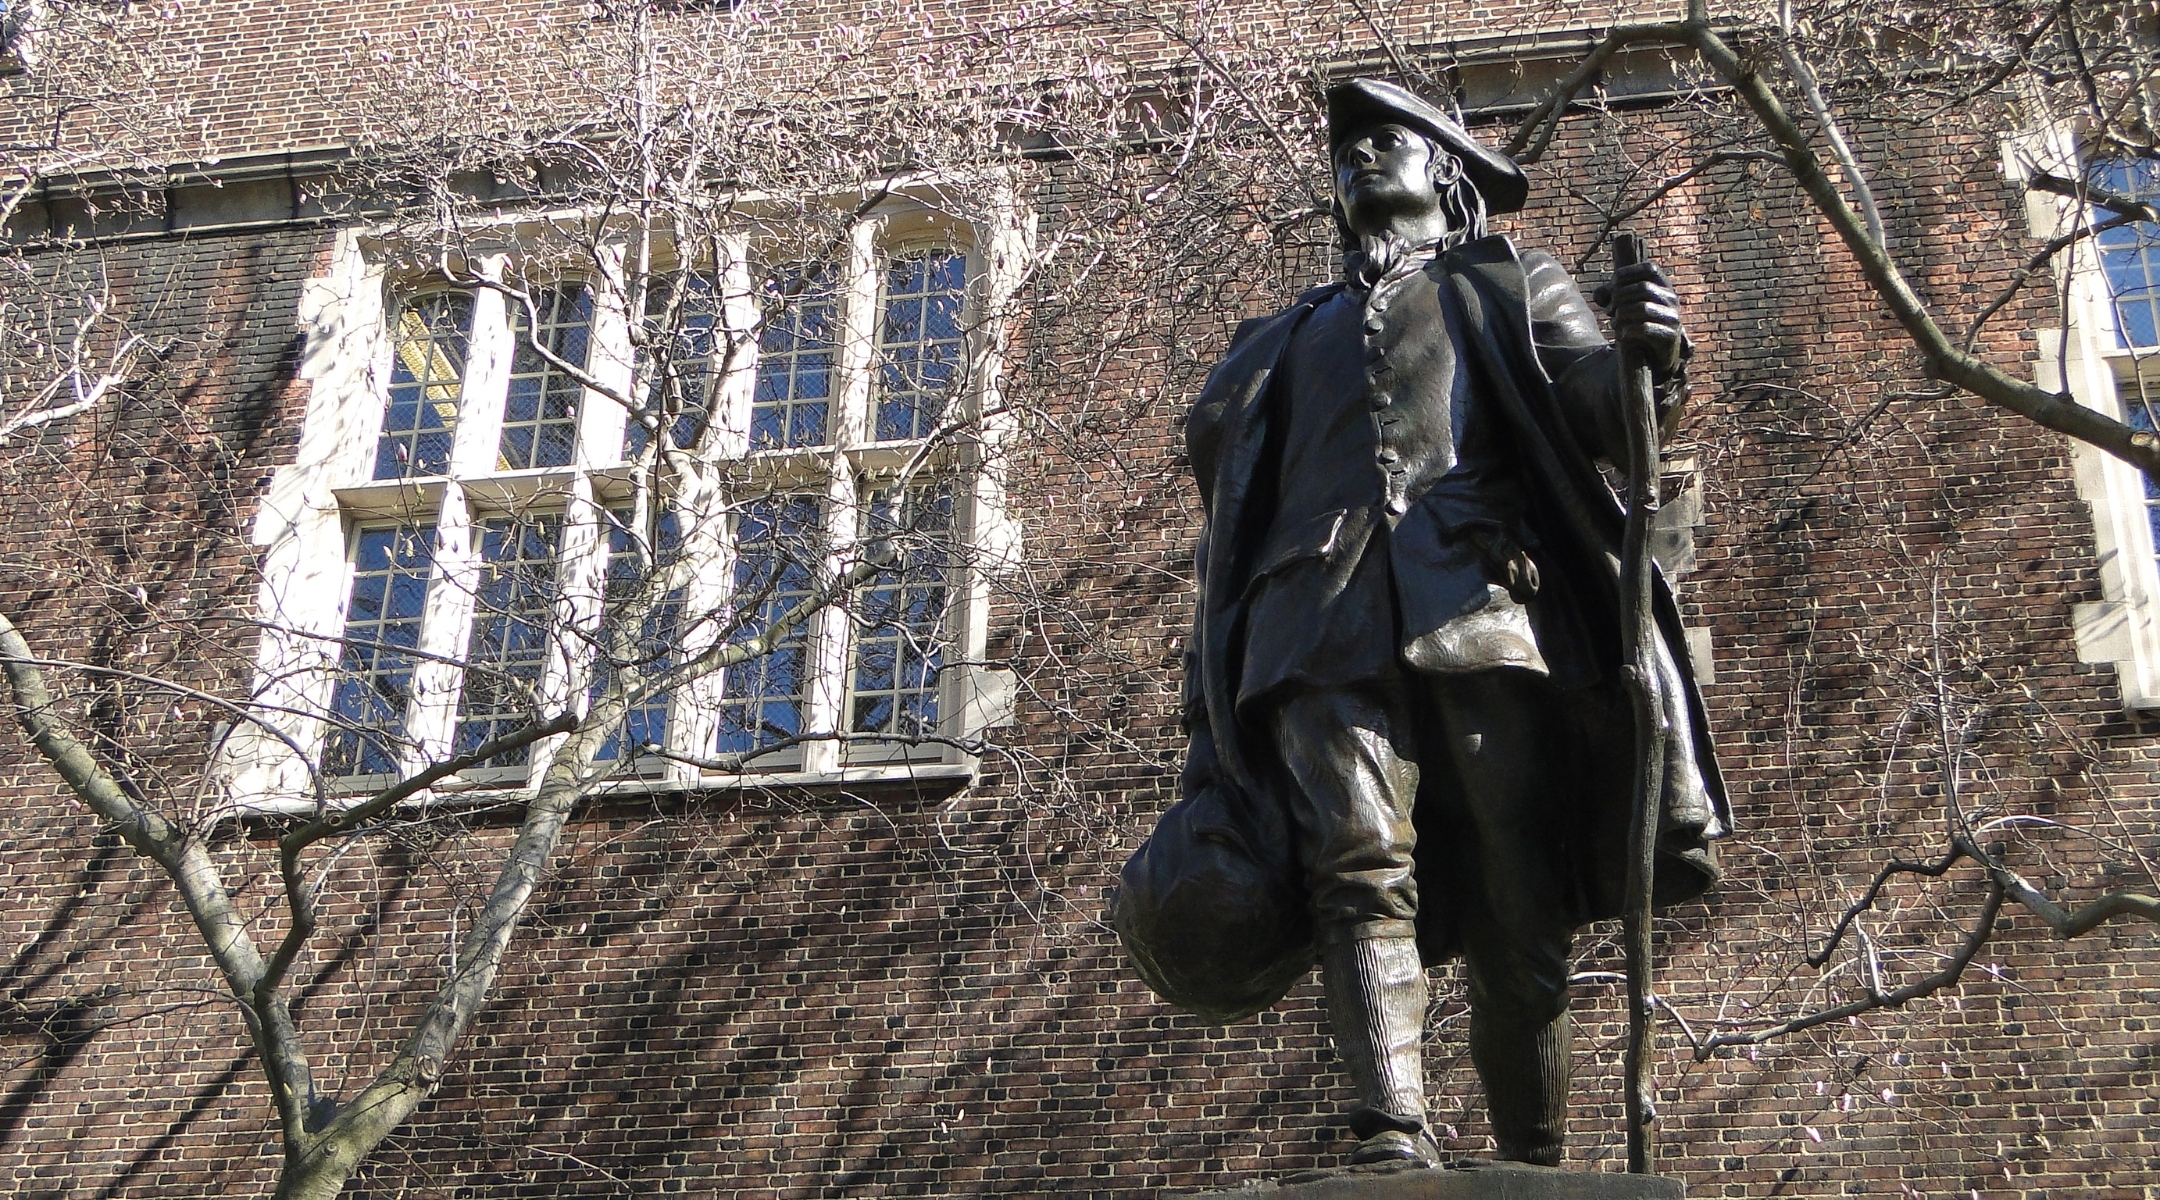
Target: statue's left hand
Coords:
[[1645, 314]]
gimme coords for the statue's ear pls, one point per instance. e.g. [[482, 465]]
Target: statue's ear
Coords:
[[1446, 168]]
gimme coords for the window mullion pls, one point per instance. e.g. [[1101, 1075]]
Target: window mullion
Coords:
[[580, 580], [431, 723], [694, 723], [825, 690], [736, 341], [858, 336], [295, 671], [967, 617], [602, 418], [487, 375], [358, 315]]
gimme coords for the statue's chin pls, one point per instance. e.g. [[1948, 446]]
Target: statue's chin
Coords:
[[1370, 216], [1393, 216]]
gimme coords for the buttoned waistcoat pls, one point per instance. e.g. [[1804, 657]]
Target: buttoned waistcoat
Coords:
[[1391, 459]]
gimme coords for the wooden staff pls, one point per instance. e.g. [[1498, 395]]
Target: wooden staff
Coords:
[[1638, 646]]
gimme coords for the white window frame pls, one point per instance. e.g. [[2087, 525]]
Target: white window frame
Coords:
[[313, 507], [2085, 359]]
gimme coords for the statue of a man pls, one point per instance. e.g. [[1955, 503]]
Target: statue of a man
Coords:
[[1408, 630]]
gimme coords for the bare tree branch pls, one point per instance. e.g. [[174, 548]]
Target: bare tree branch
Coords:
[[184, 859], [1946, 360], [1804, 77], [2001, 883], [1983, 928]]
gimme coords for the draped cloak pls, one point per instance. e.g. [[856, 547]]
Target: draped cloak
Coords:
[[1524, 326]]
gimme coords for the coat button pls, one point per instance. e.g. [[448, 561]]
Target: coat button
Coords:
[[1379, 304], [1374, 325], [1381, 400], [1398, 505], [1389, 457]]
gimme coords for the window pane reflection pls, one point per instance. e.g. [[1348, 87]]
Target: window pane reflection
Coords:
[[430, 339], [778, 542], [382, 621], [507, 653], [901, 632], [539, 425], [919, 344]]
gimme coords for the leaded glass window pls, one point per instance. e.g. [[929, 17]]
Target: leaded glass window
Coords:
[[540, 411], [634, 568], [920, 352], [499, 600], [681, 384], [2130, 254], [901, 630], [778, 543], [375, 663], [430, 338], [792, 403], [506, 657]]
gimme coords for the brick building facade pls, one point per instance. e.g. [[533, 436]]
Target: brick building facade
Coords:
[[900, 983]]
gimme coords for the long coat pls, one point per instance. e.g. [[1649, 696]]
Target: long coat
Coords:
[[1525, 325]]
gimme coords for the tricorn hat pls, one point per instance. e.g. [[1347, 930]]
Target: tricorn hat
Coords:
[[1363, 103]]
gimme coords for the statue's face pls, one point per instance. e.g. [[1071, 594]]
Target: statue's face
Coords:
[[1384, 177]]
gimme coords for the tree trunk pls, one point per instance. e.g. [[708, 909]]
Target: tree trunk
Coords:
[[321, 1170]]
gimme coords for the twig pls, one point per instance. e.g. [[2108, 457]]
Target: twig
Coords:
[[1832, 133], [1534, 134], [2041, 258], [1975, 938], [1946, 360], [1894, 867], [2002, 883], [1666, 187], [300, 898]]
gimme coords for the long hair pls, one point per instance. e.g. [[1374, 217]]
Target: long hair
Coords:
[[1369, 258]]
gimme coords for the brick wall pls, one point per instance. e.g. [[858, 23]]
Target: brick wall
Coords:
[[248, 77], [836, 995]]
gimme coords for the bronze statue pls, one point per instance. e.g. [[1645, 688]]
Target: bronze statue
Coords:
[[1408, 734]]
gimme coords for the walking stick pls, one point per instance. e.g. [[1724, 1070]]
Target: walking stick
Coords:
[[1638, 646]]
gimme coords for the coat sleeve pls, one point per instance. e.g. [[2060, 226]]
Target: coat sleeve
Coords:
[[1584, 367], [1223, 411], [1192, 712]]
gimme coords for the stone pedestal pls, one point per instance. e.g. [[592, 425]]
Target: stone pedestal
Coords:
[[1469, 1181]]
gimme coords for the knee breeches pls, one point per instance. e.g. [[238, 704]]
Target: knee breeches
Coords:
[[1473, 761]]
